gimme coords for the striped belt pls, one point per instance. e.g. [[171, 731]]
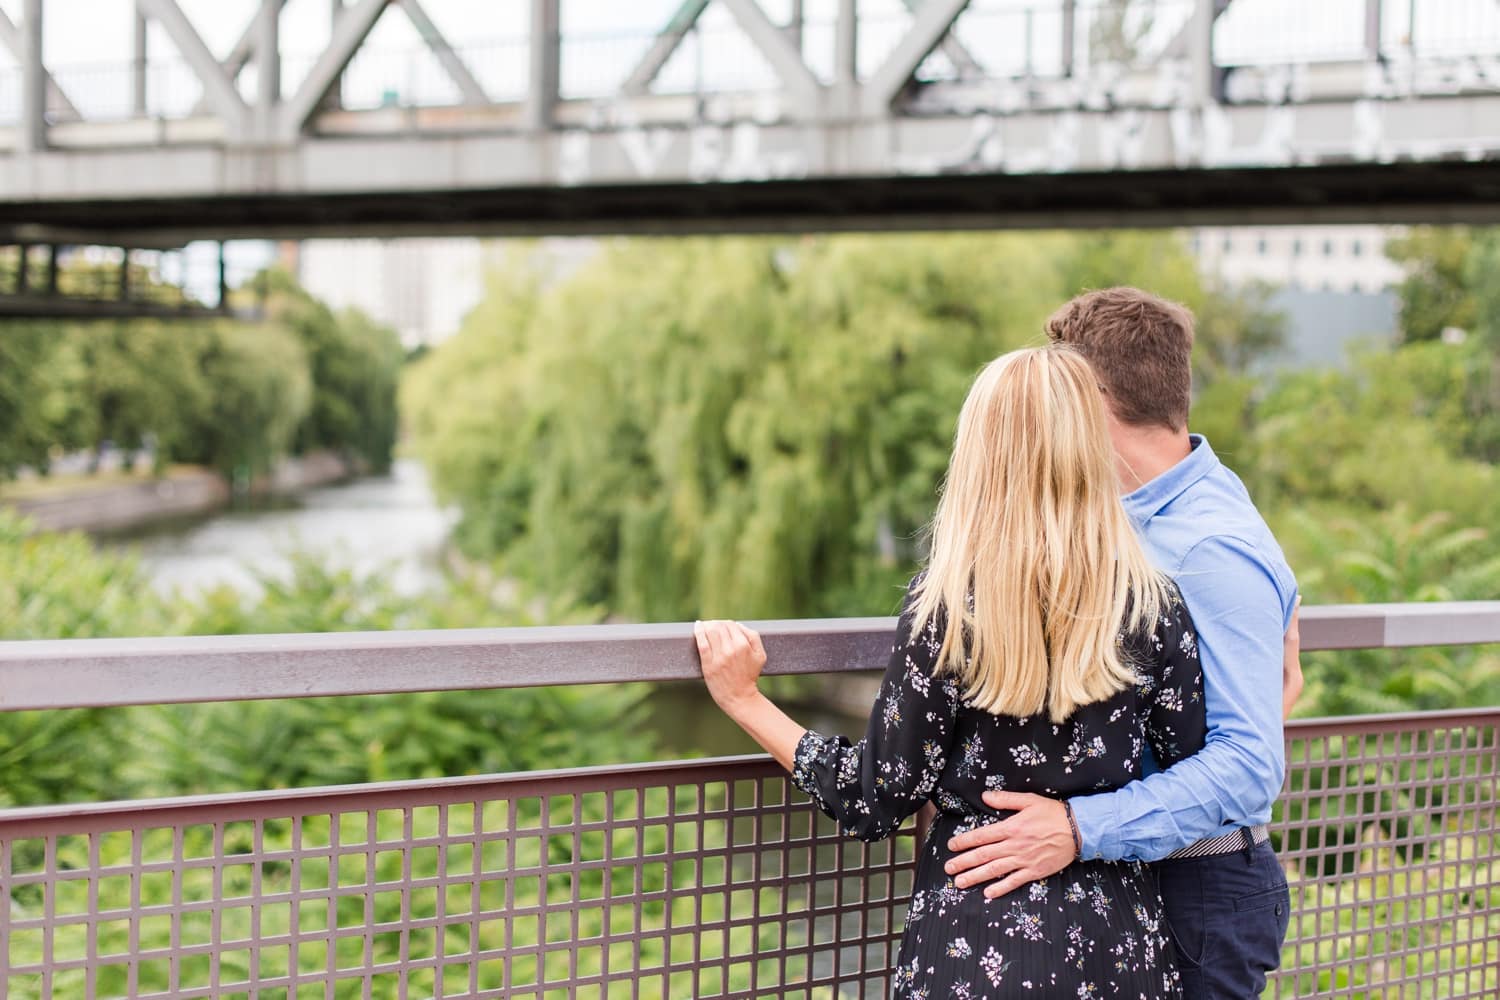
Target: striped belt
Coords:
[[1242, 839]]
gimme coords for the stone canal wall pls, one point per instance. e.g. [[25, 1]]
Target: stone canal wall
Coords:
[[183, 493]]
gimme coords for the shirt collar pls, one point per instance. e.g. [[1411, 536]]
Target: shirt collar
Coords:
[[1148, 500]]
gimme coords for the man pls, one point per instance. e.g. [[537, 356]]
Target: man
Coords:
[[1226, 898]]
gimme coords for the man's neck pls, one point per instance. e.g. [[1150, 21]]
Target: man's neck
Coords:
[[1143, 453]]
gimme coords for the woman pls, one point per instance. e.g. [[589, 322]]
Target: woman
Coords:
[[1069, 653]]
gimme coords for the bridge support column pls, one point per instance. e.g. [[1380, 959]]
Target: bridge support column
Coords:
[[1069, 34], [33, 80], [844, 93], [1372, 29], [546, 43], [1201, 49], [138, 66], [268, 69]]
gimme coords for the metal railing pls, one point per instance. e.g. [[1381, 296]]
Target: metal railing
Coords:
[[687, 879], [992, 40]]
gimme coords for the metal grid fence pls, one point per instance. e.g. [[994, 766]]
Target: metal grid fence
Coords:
[[1387, 828], [691, 879], [698, 879]]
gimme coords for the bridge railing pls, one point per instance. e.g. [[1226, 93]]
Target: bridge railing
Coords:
[[698, 878], [1089, 43]]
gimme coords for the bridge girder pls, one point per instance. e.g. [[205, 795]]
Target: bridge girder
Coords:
[[1022, 144]]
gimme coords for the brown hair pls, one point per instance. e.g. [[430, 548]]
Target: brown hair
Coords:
[[1140, 346]]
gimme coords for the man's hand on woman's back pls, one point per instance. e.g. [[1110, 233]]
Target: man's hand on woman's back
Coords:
[[1035, 842]]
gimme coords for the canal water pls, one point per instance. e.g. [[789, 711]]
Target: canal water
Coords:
[[390, 524]]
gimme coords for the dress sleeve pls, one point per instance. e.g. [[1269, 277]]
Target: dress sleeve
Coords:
[[1177, 721], [870, 786]]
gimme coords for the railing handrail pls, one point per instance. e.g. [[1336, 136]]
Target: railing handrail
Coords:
[[85, 817], [92, 673], [82, 817]]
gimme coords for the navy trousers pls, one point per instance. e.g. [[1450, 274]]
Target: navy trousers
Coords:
[[1227, 915]]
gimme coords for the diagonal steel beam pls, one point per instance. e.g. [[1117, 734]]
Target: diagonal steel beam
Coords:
[[244, 50], [11, 41], [239, 57], [662, 47], [1183, 43], [958, 54], [457, 71], [932, 22], [350, 31], [772, 42], [218, 87]]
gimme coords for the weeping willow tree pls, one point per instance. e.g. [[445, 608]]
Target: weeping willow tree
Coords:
[[737, 427]]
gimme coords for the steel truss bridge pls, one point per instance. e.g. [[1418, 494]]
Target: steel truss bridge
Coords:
[[750, 115]]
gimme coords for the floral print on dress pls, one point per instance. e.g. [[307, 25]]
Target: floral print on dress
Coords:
[[1093, 930]]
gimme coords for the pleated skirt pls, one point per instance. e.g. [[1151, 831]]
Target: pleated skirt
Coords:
[[1093, 930]]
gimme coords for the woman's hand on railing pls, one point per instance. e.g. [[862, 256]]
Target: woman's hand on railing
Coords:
[[732, 658]]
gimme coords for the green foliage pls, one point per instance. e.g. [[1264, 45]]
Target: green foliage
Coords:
[[1390, 557], [233, 396], [29, 420], [353, 364], [57, 586], [1436, 292], [752, 427], [1314, 439], [1379, 484], [261, 391], [757, 428]]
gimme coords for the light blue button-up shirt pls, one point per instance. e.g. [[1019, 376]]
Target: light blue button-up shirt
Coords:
[[1199, 526]]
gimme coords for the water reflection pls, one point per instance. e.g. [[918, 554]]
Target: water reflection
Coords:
[[390, 524]]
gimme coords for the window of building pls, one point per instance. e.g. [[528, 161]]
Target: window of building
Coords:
[[1296, 248], [1260, 247], [1228, 244], [1357, 247], [1328, 248]]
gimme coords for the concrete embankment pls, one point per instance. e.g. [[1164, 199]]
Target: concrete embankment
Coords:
[[182, 493]]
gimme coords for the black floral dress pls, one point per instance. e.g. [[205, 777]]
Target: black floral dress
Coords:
[[1092, 930]]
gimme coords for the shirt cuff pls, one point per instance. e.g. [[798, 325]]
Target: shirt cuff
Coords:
[[810, 749], [1098, 827]]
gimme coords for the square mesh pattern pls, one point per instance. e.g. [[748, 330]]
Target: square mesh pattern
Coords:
[[669, 881], [1387, 831], [706, 879]]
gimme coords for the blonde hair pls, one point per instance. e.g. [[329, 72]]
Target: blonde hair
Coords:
[[1033, 559]]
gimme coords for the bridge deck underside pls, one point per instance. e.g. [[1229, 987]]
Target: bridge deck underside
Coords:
[[1443, 191]]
